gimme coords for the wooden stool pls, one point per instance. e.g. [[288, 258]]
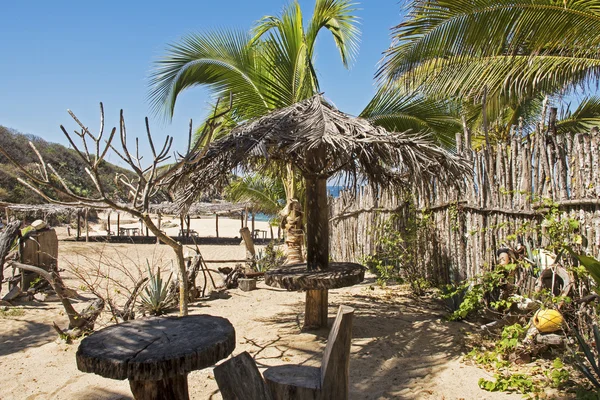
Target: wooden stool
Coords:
[[330, 381]]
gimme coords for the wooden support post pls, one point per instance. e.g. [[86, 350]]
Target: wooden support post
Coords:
[[247, 236], [175, 388], [317, 224], [217, 224], [108, 224], [118, 224], [315, 312], [78, 224], [159, 222], [253, 217], [242, 218], [246, 217], [188, 225], [7, 215], [87, 225]]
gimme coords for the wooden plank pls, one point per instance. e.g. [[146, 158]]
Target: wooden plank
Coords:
[[239, 379]]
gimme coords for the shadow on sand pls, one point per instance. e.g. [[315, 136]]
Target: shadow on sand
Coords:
[[399, 343]]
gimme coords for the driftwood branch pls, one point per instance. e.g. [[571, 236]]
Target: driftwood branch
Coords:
[[79, 323]]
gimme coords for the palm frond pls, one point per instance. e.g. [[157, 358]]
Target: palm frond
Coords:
[[399, 111], [584, 118], [509, 46], [266, 194], [222, 60], [338, 17]]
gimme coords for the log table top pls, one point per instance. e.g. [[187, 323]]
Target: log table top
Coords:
[[297, 277], [163, 349]]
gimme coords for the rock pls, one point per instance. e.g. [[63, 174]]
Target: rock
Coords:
[[550, 339]]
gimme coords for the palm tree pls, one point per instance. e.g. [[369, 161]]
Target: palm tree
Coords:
[[266, 69], [492, 48]]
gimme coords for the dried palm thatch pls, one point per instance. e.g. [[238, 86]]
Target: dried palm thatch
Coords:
[[321, 142]]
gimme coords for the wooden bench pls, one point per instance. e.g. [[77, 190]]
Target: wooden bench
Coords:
[[238, 378]]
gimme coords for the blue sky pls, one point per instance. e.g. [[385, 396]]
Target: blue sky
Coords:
[[59, 55]]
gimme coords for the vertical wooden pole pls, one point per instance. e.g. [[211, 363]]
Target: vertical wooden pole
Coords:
[[246, 217], [242, 218], [78, 224], [159, 222], [108, 224], [188, 225], [253, 217], [87, 225], [317, 224], [7, 215], [315, 312], [217, 224], [118, 224]]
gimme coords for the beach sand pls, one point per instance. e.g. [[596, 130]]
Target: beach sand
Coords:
[[401, 349]]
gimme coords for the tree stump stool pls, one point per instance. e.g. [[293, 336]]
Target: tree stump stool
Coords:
[[157, 354], [330, 381], [316, 284]]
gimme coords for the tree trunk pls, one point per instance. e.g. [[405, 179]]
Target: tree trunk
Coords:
[[175, 388], [317, 224], [178, 249], [294, 234], [315, 311]]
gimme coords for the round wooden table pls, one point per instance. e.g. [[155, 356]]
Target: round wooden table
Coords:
[[157, 354], [316, 283]]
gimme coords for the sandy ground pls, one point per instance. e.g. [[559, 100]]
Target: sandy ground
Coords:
[[401, 349]]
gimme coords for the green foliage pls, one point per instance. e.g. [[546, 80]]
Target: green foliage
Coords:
[[65, 160], [521, 383], [591, 369], [272, 258], [397, 252], [11, 312], [558, 375], [157, 297], [474, 291]]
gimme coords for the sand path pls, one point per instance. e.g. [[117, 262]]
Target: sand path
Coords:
[[402, 348]]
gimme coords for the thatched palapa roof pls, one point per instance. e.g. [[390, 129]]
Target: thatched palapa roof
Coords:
[[321, 141]]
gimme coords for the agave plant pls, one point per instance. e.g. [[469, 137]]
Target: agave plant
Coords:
[[593, 373], [157, 297]]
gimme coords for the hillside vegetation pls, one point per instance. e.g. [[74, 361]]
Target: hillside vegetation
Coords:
[[64, 160]]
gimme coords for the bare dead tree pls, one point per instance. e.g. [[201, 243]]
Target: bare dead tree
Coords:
[[140, 190]]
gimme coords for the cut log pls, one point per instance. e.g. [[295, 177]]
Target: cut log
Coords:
[[247, 284], [12, 294], [157, 354], [239, 379], [294, 382], [175, 388], [316, 283], [330, 381], [335, 368]]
